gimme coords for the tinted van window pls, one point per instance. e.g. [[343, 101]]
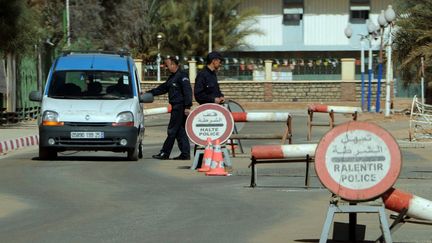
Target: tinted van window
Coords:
[[90, 85]]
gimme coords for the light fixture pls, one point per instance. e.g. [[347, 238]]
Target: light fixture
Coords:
[[348, 31], [382, 20], [390, 14]]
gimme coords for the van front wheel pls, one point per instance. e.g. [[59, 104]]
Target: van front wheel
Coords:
[[47, 153], [132, 154], [140, 151]]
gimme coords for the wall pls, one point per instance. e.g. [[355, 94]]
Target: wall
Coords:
[[325, 21], [290, 91]]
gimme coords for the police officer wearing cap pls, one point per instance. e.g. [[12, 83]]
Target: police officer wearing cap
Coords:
[[179, 92], [206, 88]]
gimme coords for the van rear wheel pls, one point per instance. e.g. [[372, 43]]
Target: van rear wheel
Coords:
[[47, 153]]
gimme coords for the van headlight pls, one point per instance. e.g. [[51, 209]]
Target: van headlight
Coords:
[[124, 119], [50, 118]]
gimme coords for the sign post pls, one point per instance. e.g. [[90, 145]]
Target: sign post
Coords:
[[357, 161], [209, 121]]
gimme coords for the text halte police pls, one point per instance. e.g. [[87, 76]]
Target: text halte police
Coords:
[[209, 132]]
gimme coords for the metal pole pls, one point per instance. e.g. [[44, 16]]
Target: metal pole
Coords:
[[210, 26], [380, 61], [362, 70], [68, 24], [39, 69], [389, 75], [158, 60], [352, 225], [370, 76], [422, 80]]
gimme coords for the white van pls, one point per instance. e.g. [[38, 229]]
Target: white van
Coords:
[[91, 102]]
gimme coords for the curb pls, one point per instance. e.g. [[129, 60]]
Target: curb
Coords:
[[16, 143], [414, 144]]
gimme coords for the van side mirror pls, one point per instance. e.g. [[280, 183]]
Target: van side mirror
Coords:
[[146, 98], [35, 96]]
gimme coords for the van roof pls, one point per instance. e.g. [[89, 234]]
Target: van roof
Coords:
[[86, 61]]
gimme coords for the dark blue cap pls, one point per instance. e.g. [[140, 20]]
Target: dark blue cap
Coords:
[[213, 55]]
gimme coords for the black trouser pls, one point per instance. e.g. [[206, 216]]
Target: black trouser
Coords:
[[176, 131]]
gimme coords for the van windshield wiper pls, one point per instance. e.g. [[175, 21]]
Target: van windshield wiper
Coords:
[[92, 97], [64, 97], [116, 97]]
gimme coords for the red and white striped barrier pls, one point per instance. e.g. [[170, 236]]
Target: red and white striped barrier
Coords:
[[331, 110], [335, 109], [14, 144], [418, 207], [260, 116], [157, 111], [283, 151]]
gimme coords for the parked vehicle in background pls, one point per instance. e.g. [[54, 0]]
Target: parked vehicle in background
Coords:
[[92, 101]]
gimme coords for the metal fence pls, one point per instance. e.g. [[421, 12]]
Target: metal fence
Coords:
[[406, 91], [237, 69], [374, 69], [253, 69]]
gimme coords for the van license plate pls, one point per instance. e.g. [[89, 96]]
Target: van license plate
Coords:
[[78, 135]]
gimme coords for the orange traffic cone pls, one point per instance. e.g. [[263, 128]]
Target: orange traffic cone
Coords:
[[207, 158], [217, 165]]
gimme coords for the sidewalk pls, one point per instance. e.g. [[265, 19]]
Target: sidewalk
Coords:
[[19, 135]]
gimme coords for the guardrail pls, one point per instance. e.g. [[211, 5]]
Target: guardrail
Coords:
[[261, 117], [420, 121], [21, 114], [158, 110], [290, 153]]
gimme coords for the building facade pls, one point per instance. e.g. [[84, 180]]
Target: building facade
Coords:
[[313, 26]]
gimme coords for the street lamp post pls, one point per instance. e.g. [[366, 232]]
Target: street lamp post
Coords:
[[371, 29], [422, 80], [390, 16], [210, 38], [68, 37], [362, 71], [348, 34], [382, 23], [159, 38]]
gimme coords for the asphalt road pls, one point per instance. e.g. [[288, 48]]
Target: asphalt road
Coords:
[[101, 197]]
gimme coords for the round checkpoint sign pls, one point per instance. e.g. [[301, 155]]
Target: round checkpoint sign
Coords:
[[209, 120], [358, 161]]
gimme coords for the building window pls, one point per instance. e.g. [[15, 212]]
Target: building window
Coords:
[[292, 12], [359, 11]]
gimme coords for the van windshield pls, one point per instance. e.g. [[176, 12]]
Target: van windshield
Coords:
[[90, 85]]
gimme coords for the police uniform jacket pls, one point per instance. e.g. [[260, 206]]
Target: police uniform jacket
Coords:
[[178, 88], [206, 87]]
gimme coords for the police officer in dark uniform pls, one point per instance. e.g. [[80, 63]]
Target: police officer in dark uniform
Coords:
[[206, 88], [179, 92]]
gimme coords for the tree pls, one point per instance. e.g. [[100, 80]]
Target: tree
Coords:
[[413, 38], [52, 17], [186, 23], [19, 26], [130, 24], [86, 24], [125, 24], [113, 25]]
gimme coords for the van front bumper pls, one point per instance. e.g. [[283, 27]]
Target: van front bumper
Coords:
[[60, 138]]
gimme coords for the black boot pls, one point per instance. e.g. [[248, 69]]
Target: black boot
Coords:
[[161, 155], [182, 157]]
